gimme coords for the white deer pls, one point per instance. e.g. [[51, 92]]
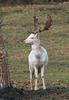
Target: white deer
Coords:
[[38, 58]]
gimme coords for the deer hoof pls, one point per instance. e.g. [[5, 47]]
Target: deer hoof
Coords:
[[44, 88], [36, 89]]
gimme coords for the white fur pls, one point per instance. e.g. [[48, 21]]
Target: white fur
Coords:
[[38, 58]]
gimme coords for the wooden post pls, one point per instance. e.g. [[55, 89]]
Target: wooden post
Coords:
[[4, 77]]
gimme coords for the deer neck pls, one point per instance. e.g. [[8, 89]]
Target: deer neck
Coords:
[[36, 45]]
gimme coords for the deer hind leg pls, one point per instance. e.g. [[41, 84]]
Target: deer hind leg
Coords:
[[31, 76], [36, 78], [42, 76]]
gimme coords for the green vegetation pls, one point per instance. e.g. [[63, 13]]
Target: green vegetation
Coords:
[[56, 41]]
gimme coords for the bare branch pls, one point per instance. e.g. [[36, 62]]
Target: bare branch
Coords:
[[4, 24]]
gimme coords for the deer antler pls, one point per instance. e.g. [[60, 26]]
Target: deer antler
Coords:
[[48, 23], [35, 22]]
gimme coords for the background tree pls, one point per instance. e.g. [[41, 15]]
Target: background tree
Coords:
[[4, 73]]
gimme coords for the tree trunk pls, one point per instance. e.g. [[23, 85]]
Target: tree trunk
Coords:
[[4, 77]]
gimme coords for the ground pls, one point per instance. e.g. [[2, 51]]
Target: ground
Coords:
[[55, 40], [52, 93]]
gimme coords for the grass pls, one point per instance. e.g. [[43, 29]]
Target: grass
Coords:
[[56, 40]]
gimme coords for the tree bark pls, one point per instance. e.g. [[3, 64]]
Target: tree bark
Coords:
[[4, 77]]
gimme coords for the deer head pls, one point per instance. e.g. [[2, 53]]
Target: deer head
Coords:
[[34, 36]]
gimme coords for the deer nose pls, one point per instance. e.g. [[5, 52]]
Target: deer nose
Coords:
[[25, 41]]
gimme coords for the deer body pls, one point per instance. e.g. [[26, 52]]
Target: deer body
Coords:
[[38, 56], [38, 59]]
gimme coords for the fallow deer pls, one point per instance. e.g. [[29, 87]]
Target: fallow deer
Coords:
[[38, 57]]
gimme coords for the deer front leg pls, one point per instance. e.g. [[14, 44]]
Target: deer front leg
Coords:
[[42, 76], [30, 77], [36, 78]]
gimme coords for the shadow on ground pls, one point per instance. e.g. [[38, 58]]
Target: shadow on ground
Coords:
[[52, 93]]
